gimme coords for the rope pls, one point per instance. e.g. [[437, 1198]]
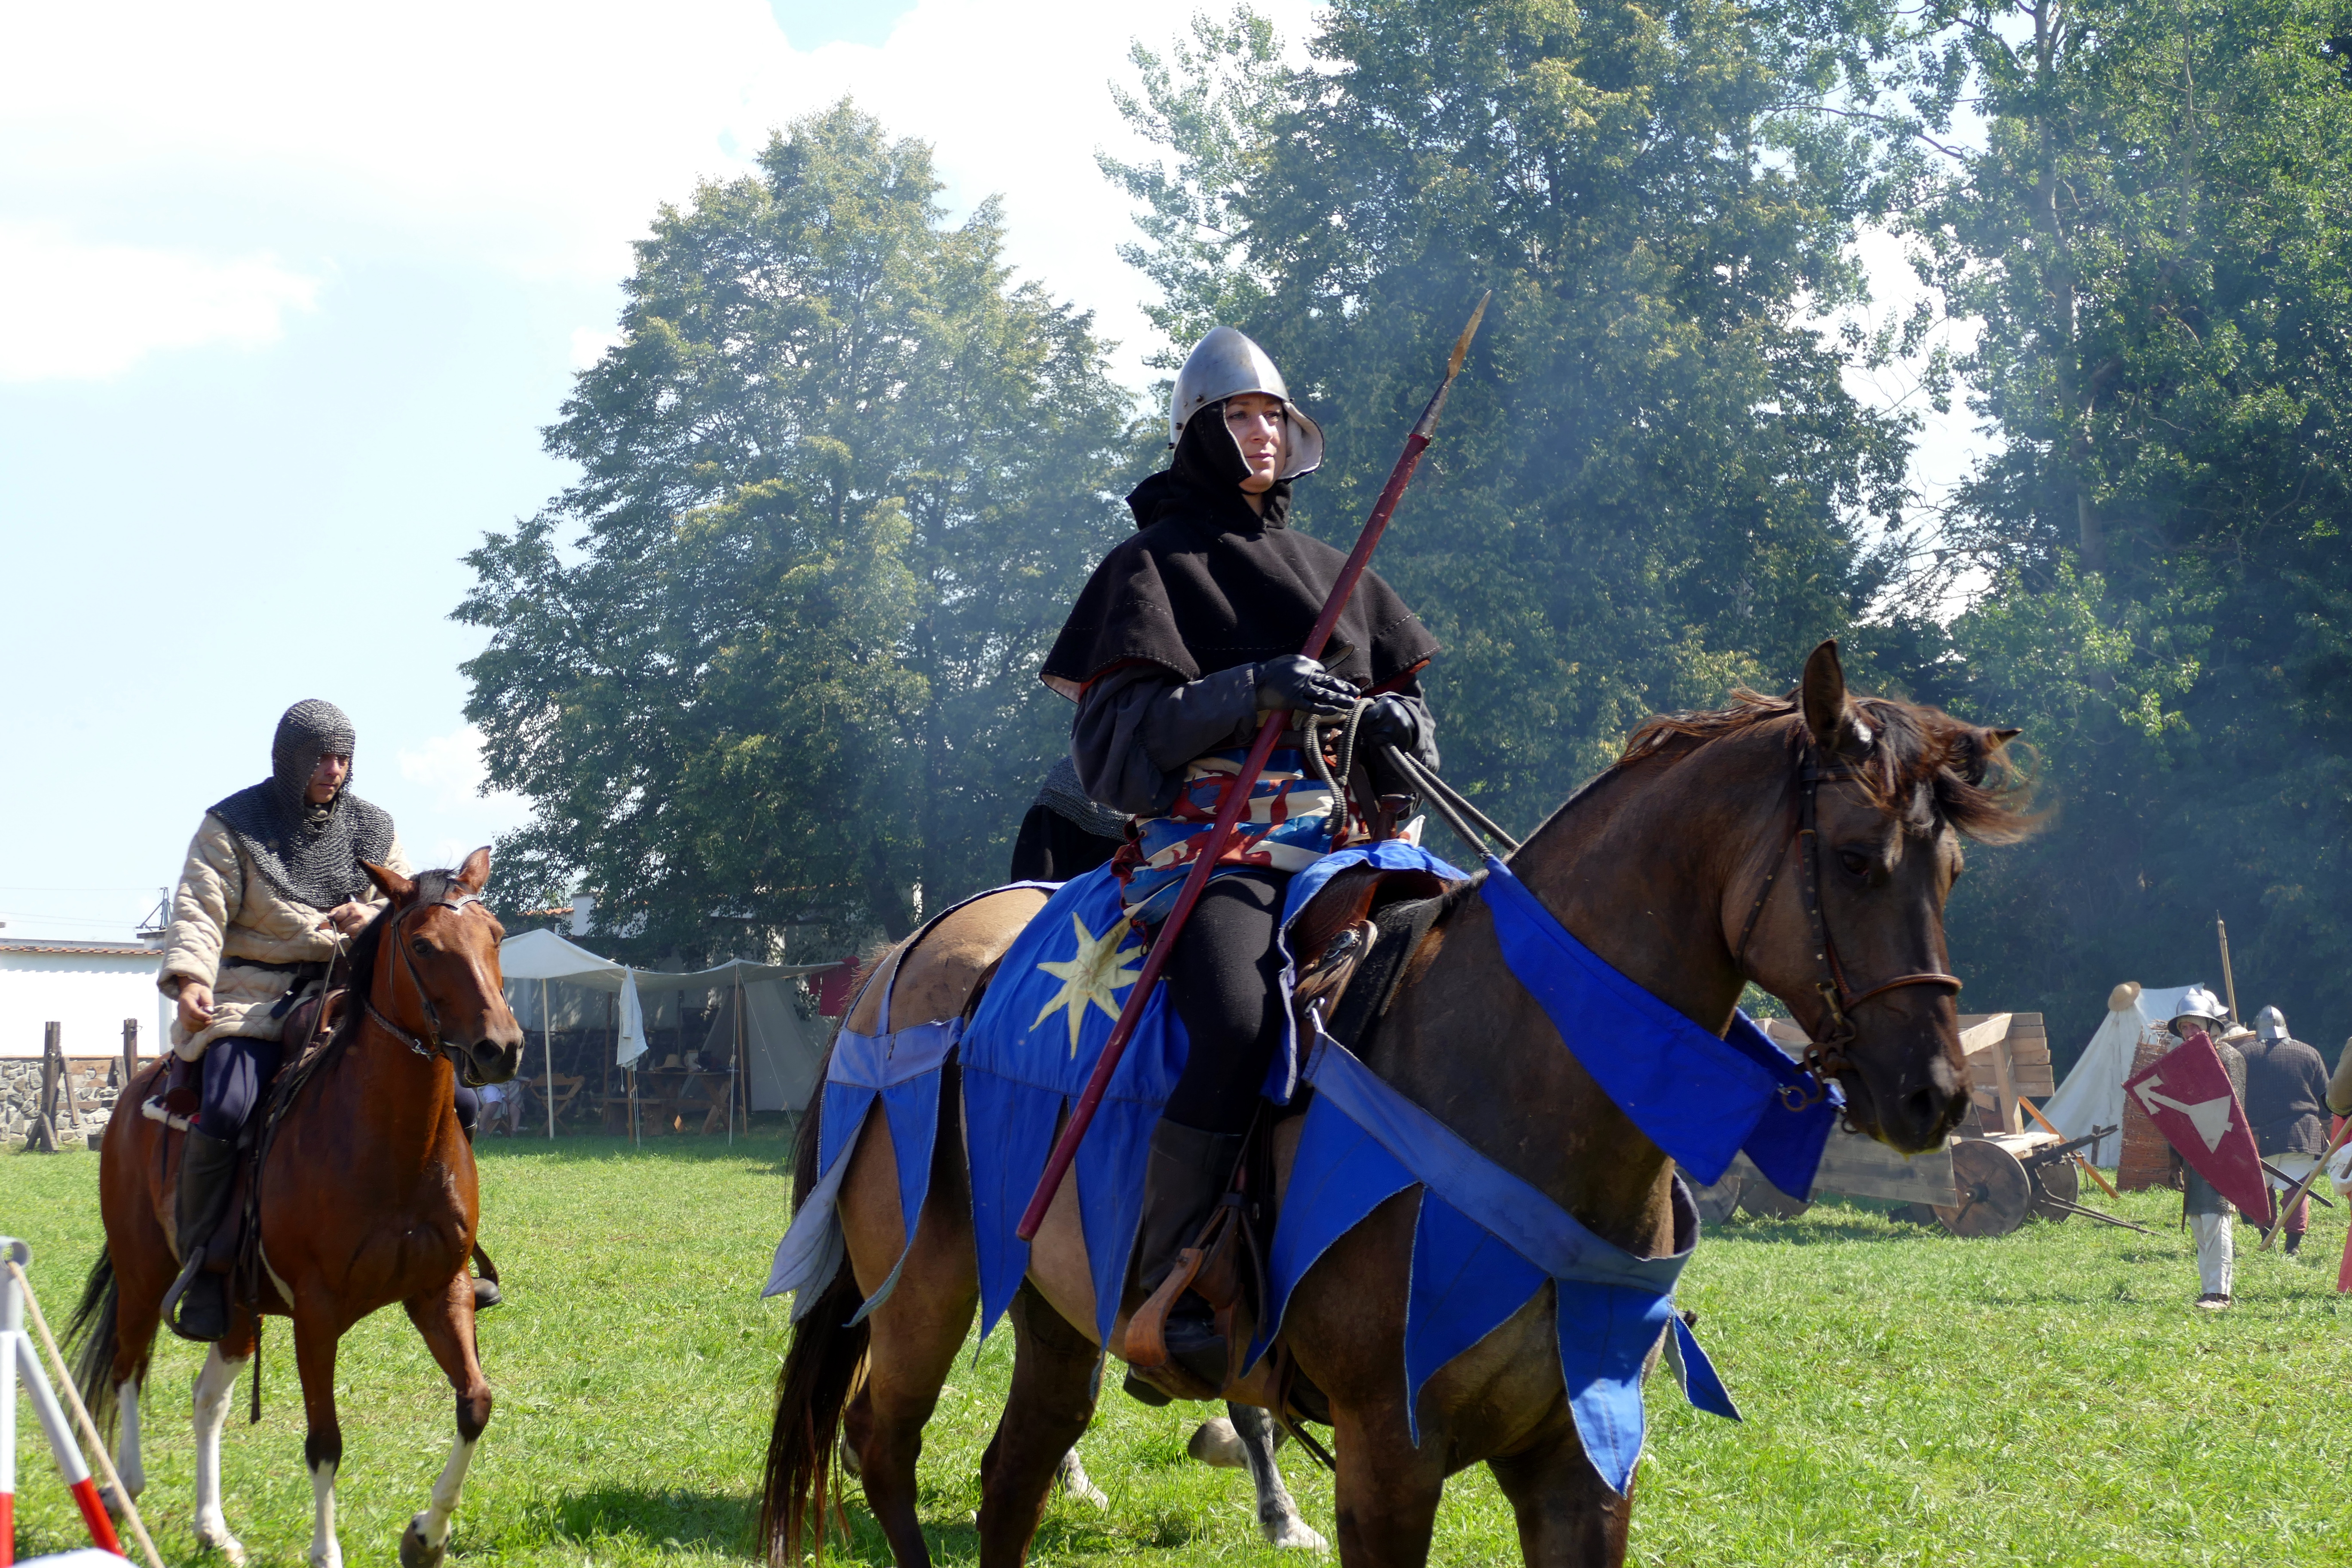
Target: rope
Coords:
[[1337, 785], [82, 1414]]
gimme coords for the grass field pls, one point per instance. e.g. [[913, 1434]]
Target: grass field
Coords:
[[2048, 1398]]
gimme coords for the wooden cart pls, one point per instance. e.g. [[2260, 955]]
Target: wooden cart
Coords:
[[1995, 1171]]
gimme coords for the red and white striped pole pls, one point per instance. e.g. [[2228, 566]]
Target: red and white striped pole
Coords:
[[16, 1353]]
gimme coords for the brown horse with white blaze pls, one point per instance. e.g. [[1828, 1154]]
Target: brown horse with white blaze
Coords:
[[368, 1196], [1807, 843]]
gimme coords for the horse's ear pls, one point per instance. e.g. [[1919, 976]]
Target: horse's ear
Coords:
[[1994, 739], [395, 886], [1822, 695], [475, 873]]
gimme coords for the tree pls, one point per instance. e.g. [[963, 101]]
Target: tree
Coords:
[[2158, 238], [1653, 484], [771, 659]]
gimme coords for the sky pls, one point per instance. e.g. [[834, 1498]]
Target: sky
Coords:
[[294, 287]]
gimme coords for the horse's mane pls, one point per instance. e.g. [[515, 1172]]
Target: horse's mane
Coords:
[[1921, 759]]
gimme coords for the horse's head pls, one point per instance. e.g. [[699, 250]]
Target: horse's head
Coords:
[[1833, 826], [1852, 882], [437, 949]]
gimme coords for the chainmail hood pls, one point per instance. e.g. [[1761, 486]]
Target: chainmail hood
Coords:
[[310, 854]]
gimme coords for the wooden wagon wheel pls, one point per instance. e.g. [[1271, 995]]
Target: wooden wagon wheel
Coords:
[[2062, 1180], [1717, 1203], [1995, 1192], [1766, 1201]]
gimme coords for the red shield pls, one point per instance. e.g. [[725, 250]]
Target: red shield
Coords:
[[2187, 1093]]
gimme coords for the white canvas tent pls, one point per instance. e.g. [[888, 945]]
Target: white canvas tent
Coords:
[[2092, 1094], [551, 983]]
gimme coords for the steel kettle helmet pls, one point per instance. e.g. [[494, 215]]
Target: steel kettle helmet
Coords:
[[1226, 364], [2199, 1003], [2271, 1024]]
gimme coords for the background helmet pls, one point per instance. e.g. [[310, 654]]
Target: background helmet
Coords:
[[2271, 1024], [1226, 364], [2202, 1006]]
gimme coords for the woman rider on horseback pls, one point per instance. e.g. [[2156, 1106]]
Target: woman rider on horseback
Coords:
[[1184, 639]]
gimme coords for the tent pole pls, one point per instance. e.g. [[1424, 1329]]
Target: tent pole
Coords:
[[547, 1037], [735, 1072]]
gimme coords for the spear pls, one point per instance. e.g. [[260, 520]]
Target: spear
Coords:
[[1237, 795]]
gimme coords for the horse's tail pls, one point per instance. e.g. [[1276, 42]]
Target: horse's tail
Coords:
[[819, 1375], [92, 1325]]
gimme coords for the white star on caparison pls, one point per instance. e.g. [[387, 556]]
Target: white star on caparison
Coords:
[[1092, 974]]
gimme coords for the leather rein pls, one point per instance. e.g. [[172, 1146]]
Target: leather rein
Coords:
[[430, 1044], [1826, 1057]]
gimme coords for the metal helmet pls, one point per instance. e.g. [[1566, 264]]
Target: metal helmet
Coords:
[[2201, 1004], [1226, 364], [2271, 1024]]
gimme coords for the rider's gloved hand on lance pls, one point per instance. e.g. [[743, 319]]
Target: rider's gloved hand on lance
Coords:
[[1302, 685]]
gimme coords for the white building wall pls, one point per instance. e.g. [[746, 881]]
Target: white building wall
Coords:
[[91, 996]]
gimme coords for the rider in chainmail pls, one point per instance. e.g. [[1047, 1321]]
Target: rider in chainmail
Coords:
[[1067, 832], [273, 888]]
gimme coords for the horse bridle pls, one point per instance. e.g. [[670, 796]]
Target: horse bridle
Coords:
[[1826, 1057], [431, 1042]]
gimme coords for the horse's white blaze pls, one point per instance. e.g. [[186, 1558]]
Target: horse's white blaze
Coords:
[[326, 1551], [433, 1524], [216, 1382], [127, 1462]]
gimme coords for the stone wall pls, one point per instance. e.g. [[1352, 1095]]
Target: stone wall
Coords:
[[93, 1081]]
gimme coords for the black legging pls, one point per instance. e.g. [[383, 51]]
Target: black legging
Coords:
[[1222, 979], [237, 1068]]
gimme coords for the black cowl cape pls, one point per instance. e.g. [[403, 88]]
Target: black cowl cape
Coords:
[[1206, 583]]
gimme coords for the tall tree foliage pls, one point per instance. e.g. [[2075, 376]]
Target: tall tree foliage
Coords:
[[2158, 238], [1653, 484], [771, 659]]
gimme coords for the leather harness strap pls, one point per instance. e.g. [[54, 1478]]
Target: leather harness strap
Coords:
[[1826, 1056], [431, 1042]]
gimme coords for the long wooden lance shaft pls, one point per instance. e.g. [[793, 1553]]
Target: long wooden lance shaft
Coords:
[[1238, 796], [2229, 981]]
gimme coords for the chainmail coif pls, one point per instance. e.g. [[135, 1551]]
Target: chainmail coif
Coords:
[[310, 854]]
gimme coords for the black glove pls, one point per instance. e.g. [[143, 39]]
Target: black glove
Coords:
[[1390, 721], [1302, 685]]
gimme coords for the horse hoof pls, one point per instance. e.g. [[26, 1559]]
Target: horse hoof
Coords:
[[416, 1551], [1292, 1534], [212, 1535], [1215, 1442]]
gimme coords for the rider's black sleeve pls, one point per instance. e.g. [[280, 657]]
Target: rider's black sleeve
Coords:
[[1137, 728]]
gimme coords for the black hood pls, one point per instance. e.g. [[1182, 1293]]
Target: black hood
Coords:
[[1207, 583]]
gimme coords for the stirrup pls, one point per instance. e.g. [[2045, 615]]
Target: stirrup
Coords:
[[189, 1273]]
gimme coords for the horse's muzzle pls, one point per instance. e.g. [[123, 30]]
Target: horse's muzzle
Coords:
[[490, 1061]]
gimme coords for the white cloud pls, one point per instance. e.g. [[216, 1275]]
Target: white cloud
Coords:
[[87, 311], [452, 768], [442, 815], [589, 343], [538, 136]]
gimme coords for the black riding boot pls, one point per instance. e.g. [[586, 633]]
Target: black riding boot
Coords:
[[207, 1171], [1189, 1171]]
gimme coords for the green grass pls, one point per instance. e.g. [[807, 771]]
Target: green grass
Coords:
[[2047, 1397]]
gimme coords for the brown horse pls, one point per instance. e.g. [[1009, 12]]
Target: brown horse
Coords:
[[367, 1197], [1669, 866]]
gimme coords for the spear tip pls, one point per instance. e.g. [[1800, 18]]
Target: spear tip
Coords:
[[1462, 344]]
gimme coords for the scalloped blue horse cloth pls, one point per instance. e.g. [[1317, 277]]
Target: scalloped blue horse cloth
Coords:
[[1700, 1096]]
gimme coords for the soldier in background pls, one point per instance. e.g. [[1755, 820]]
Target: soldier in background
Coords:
[[2209, 1214], [2287, 1102]]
